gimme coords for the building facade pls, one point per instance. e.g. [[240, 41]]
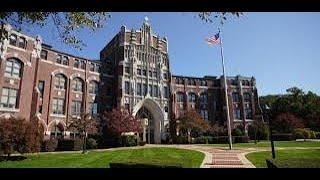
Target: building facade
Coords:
[[133, 72]]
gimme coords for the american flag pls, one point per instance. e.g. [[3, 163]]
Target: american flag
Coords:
[[213, 40]]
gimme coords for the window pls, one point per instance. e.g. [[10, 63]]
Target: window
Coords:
[[139, 71], [60, 81], [247, 97], [13, 68], [9, 98], [203, 98], [127, 70], [192, 82], [82, 65], [77, 85], [65, 60], [150, 90], [165, 76], [204, 114], [192, 97], [58, 106], [59, 59], [150, 73], [235, 97], [248, 111], [92, 67], [76, 63], [127, 106], [13, 39], [203, 83], [166, 92], [236, 112], [180, 97], [155, 74], [144, 72], [76, 108], [41, 88], [216, 83], [127, 87], [166, 109], [139, 88], [94, 109], [155, 90], [93, 87], [234, 82], [44, 54], [22, 42], [144, 89]]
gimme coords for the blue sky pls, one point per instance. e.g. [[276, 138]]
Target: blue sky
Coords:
[[280, 50]]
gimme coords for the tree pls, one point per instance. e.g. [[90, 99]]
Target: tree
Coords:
[[20, 135], [192, 124], [117, 122], [258, 130], [84, 125], [209, 17], [286, 123], [68, 24]]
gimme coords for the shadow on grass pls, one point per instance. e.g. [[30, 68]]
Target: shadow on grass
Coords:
[[12, 158]]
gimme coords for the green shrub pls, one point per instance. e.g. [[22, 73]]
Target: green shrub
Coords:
[[237, 132], [92, 143], [181, 140], [298, 135], [283, 137], [128, 141], [241, 139], [49, 145], [304, 132], [313, 135], [142, 143], [70, 145], [317, 135]]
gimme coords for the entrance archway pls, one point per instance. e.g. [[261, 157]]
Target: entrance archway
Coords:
[[151, 110]]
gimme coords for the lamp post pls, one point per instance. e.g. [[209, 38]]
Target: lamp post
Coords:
[[270, 132]]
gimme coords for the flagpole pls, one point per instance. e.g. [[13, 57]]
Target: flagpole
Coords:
[[226, 93]]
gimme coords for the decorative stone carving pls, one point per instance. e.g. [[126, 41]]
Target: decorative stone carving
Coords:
[[37, 47], [4, 39]]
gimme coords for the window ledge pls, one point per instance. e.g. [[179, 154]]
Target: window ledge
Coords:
[[96, 73], [12, 77], [9, 109], [58, 115], [61, 65]]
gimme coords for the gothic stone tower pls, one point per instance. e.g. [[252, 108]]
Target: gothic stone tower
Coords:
[[136, 76]]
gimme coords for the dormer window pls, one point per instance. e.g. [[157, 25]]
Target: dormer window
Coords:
[[13, 39]]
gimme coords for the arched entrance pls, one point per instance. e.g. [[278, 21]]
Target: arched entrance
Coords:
[[150, 110], [148, 129]]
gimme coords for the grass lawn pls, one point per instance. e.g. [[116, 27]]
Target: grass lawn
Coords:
[[169, 156], [262, 144], [288, 158]]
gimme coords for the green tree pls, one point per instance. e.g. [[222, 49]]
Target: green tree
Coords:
[[68, 24]]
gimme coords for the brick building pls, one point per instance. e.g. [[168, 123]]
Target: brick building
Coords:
[[133, 72]]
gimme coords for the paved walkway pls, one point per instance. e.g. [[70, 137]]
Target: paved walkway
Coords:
[[218, 157]]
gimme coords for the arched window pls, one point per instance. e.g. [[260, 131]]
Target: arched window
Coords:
[[192, 97], [77, 85], [13, 68], [60, 81], [93, 87], [180, 97]]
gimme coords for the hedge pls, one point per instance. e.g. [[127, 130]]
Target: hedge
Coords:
[[49, 145], [70, 145], [283, 137]]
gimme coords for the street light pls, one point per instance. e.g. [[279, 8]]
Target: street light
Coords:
[[270, 132]]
